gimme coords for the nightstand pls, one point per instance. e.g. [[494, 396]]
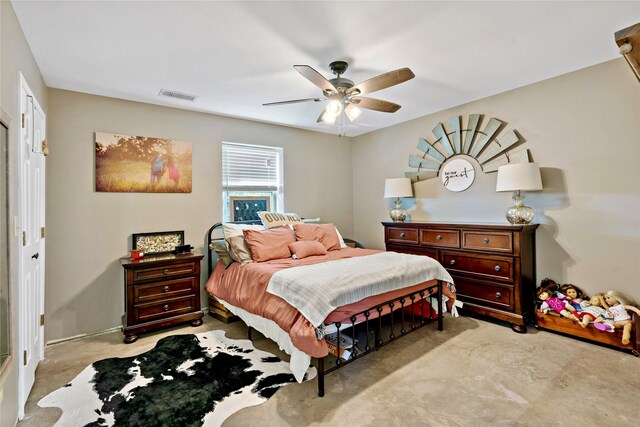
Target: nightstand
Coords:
[[160, 291]]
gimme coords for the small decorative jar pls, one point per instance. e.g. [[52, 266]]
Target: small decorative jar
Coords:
[[136, 253]]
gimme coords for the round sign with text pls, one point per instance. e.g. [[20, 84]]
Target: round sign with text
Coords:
[[458, 175]]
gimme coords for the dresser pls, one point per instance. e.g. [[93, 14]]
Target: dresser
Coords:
[[160, 291], [492, 265]]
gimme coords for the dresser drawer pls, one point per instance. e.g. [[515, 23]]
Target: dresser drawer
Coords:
[[496, 268], [486, 294], [487, 241], [165, 271], [402, 235], [149, 312], [440, 238], [169, 289], [432, 253]]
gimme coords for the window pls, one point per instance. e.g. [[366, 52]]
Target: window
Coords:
[[251, 181]]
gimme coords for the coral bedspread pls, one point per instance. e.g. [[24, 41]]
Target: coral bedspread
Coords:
[[245, 287]]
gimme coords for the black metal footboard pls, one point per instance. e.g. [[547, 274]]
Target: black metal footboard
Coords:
[[385, 328]]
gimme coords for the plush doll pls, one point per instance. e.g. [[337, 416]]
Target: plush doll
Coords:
[[574, 294], [617, 307], [546, 294]]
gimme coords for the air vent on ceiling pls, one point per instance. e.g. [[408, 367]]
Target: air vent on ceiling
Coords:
[[176, 94]]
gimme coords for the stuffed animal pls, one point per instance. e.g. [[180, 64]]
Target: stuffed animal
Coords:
[[546, 294], [617, 306]]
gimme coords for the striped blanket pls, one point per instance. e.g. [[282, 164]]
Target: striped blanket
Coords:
[[316, 290]]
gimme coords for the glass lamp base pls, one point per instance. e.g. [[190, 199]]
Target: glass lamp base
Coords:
[[398, 214], [520, 214]]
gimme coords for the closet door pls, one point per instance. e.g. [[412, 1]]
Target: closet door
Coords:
[[32, 195]]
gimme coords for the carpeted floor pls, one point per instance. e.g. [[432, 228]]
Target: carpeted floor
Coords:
[[474, 373]]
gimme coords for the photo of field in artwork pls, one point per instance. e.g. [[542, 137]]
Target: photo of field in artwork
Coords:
[[137, 164]]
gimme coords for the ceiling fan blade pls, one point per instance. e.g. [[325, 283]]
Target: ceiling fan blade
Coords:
[[375, 104], [315, 77], [294, 101], [382, 81]]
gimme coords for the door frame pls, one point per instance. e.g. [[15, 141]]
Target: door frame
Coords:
[[25, 91]]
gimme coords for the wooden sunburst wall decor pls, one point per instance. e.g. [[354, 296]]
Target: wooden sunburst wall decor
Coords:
[[487, 146]]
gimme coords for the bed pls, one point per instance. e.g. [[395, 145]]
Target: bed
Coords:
[[335, 307]]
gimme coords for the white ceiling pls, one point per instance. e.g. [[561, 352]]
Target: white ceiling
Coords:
[[237, 55]]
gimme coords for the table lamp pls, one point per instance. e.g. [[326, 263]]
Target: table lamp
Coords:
[[519, 177], [398, 187]]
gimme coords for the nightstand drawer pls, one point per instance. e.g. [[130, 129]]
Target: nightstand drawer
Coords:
[[483, 293], [402, 235], [148, 312], [474, 265], [492, 241], [164, 290], [166, 271], [441, 238]]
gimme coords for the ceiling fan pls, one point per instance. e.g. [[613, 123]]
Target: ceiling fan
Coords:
[[345, 96]]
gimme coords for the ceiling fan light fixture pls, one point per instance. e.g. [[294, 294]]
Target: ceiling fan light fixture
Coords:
[[327, 118], [352, 112], [334, 108], [345, 97]]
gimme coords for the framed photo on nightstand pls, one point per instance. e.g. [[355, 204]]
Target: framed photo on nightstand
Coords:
[[157, 243]]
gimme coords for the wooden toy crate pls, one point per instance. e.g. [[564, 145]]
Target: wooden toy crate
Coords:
[[552, 321]]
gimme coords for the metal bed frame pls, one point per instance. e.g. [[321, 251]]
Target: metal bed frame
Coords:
[[397, 320]]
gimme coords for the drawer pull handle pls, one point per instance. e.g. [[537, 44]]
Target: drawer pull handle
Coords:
[[452, 262], [165, 289], [496, 268], [485, 240], [498, 295], [165, 307], [401, 235], [165, 271], [439, 237]]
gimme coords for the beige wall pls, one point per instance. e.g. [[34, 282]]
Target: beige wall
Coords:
[[15, 57], [583, 128], [87, 232]]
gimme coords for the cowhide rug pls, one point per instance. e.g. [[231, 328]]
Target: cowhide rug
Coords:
[[186, 380]]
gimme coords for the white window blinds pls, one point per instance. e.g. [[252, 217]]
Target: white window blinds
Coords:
[[250, 167]]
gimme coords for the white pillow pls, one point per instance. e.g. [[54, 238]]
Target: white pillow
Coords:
[[276, 219], [342, 243]]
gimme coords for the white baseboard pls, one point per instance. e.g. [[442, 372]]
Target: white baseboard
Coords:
[[75, 337], [205, 310]]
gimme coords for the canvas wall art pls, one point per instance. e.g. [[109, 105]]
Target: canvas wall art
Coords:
[[140, 164]]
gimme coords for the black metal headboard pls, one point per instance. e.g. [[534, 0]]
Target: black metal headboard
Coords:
[[210, 239]]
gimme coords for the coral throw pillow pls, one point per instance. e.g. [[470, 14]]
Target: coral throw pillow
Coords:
[[305, 248], [269, 244], [329, 236], [323, 233], [306, 232]]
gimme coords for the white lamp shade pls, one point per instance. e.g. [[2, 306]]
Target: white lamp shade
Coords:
[[519, 176], [398, 187]]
